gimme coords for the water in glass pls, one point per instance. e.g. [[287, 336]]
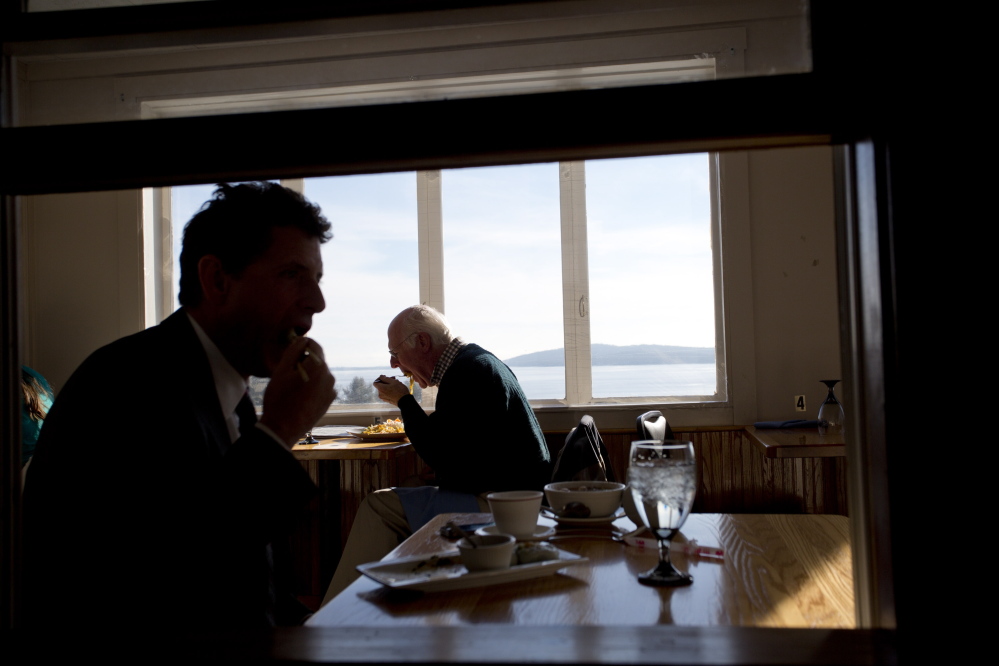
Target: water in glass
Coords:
[[662, 479]]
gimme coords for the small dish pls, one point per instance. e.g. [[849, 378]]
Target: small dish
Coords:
[[335, 431], [484, 552], [548, 513], [444, 571], [541, 532]]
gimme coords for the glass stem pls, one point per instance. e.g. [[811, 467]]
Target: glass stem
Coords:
[[664, 562]]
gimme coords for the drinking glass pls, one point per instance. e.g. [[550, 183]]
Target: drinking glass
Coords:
[[662, 480], [831, 412]]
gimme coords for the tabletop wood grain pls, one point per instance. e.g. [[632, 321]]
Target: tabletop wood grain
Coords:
[[797, 443], [778, 571]]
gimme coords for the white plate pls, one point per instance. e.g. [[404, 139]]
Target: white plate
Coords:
[[377, 437], [444, 571], [584, 521], [335, 431], [541, 532]]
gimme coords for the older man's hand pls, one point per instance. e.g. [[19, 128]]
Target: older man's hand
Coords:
[[391, 389]]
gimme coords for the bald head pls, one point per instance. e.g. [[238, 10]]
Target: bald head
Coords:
[[417, 337], [423, 319]]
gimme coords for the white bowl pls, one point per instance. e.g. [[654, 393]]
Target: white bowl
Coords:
[[492, 551], [602, 498]]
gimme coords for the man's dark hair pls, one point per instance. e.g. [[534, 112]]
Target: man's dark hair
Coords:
[[235, 226]]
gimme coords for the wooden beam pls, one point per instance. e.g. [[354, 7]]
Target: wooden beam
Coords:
[[787, 110]]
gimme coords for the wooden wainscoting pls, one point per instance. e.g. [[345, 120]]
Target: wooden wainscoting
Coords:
[[735, 477], [320, 533]]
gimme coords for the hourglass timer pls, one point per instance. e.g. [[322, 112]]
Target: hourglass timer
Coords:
[[831, 412]]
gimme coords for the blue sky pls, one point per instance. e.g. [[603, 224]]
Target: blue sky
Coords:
[[648, 239]]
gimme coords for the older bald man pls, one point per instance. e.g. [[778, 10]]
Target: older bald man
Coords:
[[506, 450]]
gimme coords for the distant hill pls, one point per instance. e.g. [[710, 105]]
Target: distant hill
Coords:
[[617, 355]]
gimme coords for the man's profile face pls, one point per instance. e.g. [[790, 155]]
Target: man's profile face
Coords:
[[274, 296], [410, 355]]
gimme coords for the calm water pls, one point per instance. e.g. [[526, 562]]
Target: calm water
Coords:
[[609, 381]]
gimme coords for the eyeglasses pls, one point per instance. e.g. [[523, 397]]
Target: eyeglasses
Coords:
[[393, 352]]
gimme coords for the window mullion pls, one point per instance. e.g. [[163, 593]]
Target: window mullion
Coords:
[[157, 255], [575, 283], [430, 243], [430, 238], [294, 184], [721, 348], [166, 301]]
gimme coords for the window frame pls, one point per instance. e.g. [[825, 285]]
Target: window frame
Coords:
[[158, 230], [164, 95]]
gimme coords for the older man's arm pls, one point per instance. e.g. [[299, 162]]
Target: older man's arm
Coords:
[[423, 431], [420, 427]]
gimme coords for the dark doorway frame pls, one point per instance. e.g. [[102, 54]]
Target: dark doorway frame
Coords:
[[840, 103]]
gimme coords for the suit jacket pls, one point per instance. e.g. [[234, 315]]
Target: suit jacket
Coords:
[[137, 509]]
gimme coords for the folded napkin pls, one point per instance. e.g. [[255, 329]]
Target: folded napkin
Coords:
[[794, 423]]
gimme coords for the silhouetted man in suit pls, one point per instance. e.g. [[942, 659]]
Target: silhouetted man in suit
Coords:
[[156, 498]]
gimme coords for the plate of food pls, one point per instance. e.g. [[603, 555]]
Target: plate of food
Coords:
[[444, 571], [392, 430]]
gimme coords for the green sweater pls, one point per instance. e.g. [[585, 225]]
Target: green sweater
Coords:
[[483, 435]]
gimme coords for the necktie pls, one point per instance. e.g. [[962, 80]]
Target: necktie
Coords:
[[247, 417]]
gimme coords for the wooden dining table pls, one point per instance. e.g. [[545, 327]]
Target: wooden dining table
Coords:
[[350, 448], [776, 571], [797, 442]]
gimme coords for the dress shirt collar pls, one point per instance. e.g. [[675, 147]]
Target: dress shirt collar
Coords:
[[229, 384], [444, 362]]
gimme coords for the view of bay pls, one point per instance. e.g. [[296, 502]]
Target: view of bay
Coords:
[[609, 381]]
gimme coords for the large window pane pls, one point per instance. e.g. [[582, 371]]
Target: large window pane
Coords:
[[651, 272], [371, 273], [652, 313], [502, 268]]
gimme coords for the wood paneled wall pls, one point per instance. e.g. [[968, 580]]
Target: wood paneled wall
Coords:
[[735, 477], [360, 477], [320, 533]]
